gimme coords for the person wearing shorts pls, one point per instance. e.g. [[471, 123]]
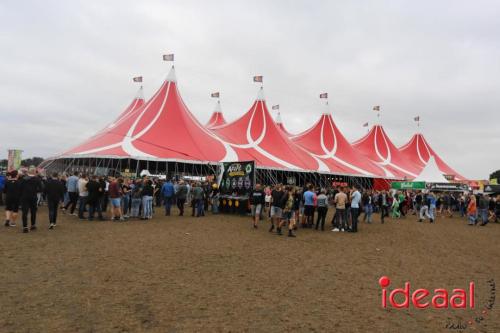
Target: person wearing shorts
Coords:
[[288, 216], [276, 206], [257, 201], [115, 193], [12, 199], [309, 197], [340, 201]]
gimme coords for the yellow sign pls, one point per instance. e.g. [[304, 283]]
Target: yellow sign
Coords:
[[494, 181]]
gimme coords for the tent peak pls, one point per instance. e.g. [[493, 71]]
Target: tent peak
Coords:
[[139, 94], [218, 108], [171, 77], [278, 118], [260, 94]]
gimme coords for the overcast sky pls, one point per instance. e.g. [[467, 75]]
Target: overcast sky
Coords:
[[66, 67]]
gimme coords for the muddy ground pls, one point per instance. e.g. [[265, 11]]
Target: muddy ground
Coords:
[[217, 274]]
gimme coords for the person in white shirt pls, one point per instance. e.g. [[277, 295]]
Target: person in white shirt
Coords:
[[355, 201], [83, 193]]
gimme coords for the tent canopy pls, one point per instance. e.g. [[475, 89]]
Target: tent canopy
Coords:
[[431, 173], [217, 118], [163, 129], [418, 151]]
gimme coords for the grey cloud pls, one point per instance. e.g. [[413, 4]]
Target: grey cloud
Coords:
[[67, 66]]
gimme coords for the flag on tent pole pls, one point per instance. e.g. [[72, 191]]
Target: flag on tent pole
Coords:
[[376, 108], [258, 78], [215, 94], [275, 107], [168, 57], [137, 79], [323, 95], [365, 125], [417, 118]]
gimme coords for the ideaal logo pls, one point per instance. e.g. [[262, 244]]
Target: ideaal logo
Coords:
[[440, 298]]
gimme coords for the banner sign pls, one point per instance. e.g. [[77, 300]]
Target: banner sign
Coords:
[[408, 185], [492, 188], [341, 184], [14, 159], [237, 178], [447, 187]]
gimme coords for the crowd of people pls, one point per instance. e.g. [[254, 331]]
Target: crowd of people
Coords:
[[285, 207], [93, 198], [308, 206]]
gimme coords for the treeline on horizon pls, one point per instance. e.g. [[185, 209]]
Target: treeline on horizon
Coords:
[[25, 163]]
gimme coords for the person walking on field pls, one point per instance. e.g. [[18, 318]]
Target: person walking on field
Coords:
[[115, 194], [309, 198], [54, 191], [288, 216], [472, 210], [395, 212], [198, 196], [181, 196], [167, 191], [322, 210], [276, 206], [147, 200], [340, 200], [82, 195], [355, 202], [424, 209], [367, 202], [12, 192], [72, 188], [136, 198], [30, 185], [383, 204], [95, 190], [432, 207], [257, 201], [482, 210]]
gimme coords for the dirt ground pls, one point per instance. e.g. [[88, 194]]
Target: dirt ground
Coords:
[[217, 274]]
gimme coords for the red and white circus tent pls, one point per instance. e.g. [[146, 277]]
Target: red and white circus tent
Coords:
[[418, 152], [217, 118], [255, 136], [162, 129], [113, 133], [377, 146], [326, 142]]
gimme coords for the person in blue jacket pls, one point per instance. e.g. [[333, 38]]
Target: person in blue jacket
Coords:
[[167, 191]]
